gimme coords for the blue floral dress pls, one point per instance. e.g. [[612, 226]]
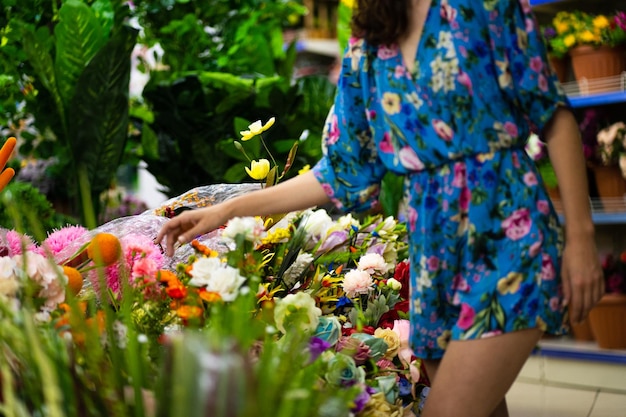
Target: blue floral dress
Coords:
[[485, 240]]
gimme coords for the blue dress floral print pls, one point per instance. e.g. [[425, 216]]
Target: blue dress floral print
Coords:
[[485, 240]]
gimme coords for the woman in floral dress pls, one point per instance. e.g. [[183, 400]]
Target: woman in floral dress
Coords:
[[446, 93]]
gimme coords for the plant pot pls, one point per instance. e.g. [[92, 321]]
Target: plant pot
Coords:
[[610, 185], [583, 331], [560, 67], [608, 321], [592, 64]]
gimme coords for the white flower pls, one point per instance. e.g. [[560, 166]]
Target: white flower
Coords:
[[9, 283], [317, 223], [297, 309], [347, 222], [46, 274], [296, 269], [357, 282], [534, 147], [251, 227], [394, 284], [216, 277], [256, 128], [372, 263]]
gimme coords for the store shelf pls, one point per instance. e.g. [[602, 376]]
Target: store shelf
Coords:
[[596, 92], [566, 348], [543, 2], [606, 211]]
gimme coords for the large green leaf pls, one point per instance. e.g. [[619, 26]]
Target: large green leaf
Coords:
[[37, 49], [79, 37], [99, 113]]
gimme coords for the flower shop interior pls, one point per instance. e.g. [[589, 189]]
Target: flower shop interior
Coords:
[[118, 115]]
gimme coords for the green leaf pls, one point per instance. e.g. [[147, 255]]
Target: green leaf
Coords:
[[36, 47], [99, 123], [236, 173], [103, 10], [79, 37], [149, 142]]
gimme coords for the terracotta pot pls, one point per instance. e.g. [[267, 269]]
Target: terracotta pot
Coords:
[[591, 63], [610, 185], [583, 331], [560, 67], [608, 321]]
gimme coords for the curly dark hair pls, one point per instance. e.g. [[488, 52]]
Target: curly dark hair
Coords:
[[381, 22]]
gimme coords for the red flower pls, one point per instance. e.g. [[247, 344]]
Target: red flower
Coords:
[[402, 274]]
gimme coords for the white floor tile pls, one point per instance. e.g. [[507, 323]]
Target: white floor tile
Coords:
[[609, 405], [536, 400]]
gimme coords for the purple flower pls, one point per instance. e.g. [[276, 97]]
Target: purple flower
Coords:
[[549, 33], [361, 400], [620, 20], [317, 346]]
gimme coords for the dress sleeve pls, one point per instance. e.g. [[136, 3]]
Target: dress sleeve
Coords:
[[350, 170], [522, 66]]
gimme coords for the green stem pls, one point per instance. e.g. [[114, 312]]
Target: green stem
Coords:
[[89, 216], [268, 151]]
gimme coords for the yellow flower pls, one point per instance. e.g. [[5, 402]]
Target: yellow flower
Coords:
[[510, 284], [259, 169], [391, 338], [256, 128], [444, 339], [349, 3], [561, 27], [391, 103], [569, 40], [601, 22], [587, 36], [304, 169]]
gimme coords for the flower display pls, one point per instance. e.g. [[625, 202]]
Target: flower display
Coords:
[[332, 291]]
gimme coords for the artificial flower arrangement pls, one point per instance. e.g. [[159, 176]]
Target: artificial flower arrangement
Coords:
[[330, 296], [577, 28]]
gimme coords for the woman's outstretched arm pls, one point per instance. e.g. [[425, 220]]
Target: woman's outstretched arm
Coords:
[[583, 283], [298, 193]]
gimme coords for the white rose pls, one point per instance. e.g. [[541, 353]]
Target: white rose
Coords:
[[394, 284], [9, 283], [317, 223], [202, 269], [297, 309], [226, 282], [251, 227]]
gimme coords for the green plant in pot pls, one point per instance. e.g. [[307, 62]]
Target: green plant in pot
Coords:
[[80, 63]]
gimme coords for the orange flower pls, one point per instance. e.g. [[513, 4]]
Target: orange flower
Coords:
[[189, 312], [209, 296], [74, 279], [166, 276], [205, 250], [104, 249], [176, 291]]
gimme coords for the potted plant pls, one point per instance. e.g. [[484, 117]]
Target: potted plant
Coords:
[[607, 318], [610, 169], [557, 52], [595, 43]]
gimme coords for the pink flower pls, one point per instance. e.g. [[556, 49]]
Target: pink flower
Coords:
[[11, 243], [67, 237], [543, 83], [518, 224], [144, 268], [536, 64], [433, 263], [333, 133], [543, 206], [387, 52], [466, 318], [412, 218], [447, 12], [409, 159], [464, 199], [403, 330], [444, 131], [357, 282], [548, 273], [465, 81], [400, 71], [460, 175], [385, 145], [530, 179], [511, 129]]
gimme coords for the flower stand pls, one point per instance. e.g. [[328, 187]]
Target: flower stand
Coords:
[[608, 321], [596, 63]]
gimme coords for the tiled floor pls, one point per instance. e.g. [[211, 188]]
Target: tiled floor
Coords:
[[557, 384]]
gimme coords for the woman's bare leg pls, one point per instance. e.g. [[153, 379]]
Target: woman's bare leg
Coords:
[[474, 376]]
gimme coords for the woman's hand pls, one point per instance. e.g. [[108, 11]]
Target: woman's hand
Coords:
[[583, 280], [189, 224]]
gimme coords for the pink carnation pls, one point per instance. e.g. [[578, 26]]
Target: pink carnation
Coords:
[[357, 282], [59, 240], [12, 242]]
